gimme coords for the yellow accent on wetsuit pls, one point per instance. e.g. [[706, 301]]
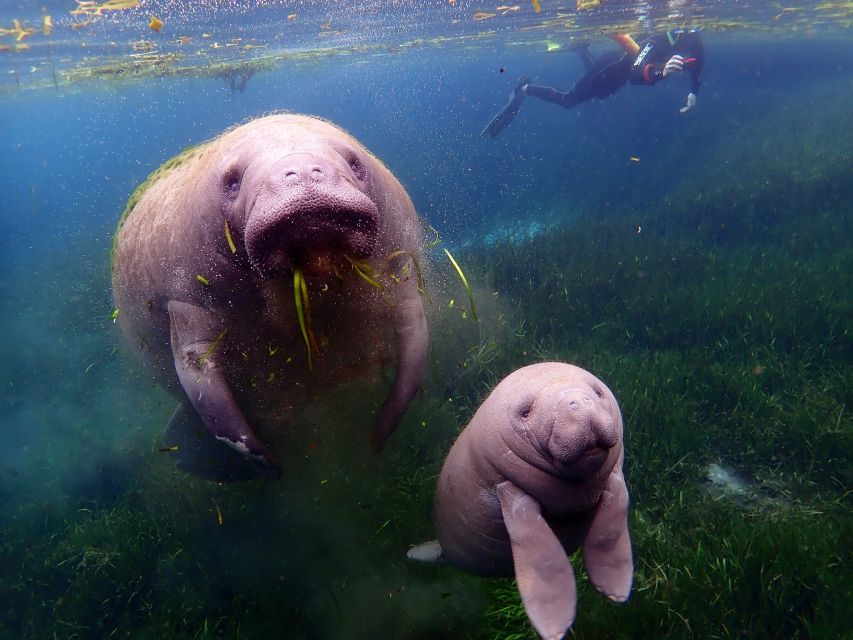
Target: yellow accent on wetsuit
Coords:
[[627, 42]]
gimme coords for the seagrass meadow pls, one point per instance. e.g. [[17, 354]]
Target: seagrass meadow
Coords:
[[723, 329], [699, 264]]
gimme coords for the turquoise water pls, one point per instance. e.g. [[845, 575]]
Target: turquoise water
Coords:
[[699, 264]]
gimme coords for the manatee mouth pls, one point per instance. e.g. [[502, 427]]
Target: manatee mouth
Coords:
[[586, 464], [319, 226]]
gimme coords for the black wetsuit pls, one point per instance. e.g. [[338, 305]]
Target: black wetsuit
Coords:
[[656, 52], [609, 72]]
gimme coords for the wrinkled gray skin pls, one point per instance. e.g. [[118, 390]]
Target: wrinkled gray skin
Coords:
[[536, 474], [295, 191]]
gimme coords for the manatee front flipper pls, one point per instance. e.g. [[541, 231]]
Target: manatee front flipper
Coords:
[[196, 334], [197, 451], [410, 329], [607, 547], [543, 573]]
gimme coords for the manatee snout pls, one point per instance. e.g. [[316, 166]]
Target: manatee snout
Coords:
[[584, 432], [309, 208]]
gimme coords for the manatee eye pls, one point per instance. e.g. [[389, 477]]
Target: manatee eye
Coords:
[[231, 180], [523, 410], [357, 167], [598, 390]]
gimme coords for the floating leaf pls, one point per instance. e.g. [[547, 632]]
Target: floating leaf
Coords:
[[229, 239], [212, 347], [464, 282], [303, 313]]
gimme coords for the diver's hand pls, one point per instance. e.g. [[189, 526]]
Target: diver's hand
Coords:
[[691, 102], [675, 65]]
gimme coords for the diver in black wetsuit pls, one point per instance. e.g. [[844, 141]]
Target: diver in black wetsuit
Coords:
[[660, 56]]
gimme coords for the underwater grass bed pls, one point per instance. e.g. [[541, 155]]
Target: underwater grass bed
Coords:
[[721, 348], [716, 350], [704, 569]]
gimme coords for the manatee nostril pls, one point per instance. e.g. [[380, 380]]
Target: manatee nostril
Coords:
[[311, 173]]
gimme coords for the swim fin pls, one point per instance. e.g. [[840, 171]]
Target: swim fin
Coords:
[[505, 115]]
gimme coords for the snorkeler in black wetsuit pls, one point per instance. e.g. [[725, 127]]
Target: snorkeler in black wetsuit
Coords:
[[660, 56]]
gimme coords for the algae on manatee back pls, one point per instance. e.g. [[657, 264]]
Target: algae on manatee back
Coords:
[[171, 163]]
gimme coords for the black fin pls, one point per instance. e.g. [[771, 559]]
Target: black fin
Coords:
[[506, 115]]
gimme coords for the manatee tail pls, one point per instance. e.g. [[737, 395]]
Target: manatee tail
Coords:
[[428, 552], [506, 115]]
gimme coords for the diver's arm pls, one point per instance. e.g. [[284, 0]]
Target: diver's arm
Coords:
[[691, 48], [695, 51]]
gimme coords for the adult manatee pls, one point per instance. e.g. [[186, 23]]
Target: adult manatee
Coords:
[[268, 265], [536, 474]]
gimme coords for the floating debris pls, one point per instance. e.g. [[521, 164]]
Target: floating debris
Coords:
[[155, 24], [303, 314], [46, 25], [142, 46], [364, 271], [212, 347], [536, 6], [18, 31], [586, 5], [504, 9], [94, 9], [482, 15], [464, 282], [218, 511], [171, 449], [229, 239], [202, 279]]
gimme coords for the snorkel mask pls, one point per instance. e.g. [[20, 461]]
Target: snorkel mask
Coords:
[[674, 34]]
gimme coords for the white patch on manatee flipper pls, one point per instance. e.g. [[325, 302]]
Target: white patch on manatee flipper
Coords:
[[241, 448]]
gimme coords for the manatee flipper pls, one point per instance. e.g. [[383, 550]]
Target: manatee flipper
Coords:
[[543, 572], [607, 547], [410, 330], [197, 451], [195, 334], [428, 552]]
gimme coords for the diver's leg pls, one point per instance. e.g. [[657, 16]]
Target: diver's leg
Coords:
[[505, 115], [582, 49], [550, 94]]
